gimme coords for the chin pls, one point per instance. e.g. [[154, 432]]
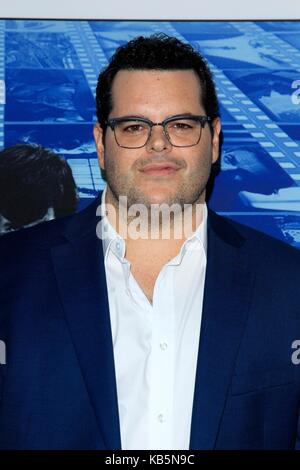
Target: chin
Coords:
[[159, 198]]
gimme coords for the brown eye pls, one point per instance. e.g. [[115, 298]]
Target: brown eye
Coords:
[[181, 126], [134, 128]]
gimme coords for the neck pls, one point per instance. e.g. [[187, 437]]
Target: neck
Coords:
[[160, 233]]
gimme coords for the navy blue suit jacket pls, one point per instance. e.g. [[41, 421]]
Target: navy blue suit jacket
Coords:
[[58, 387]]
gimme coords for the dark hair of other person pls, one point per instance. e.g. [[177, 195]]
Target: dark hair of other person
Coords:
[[33, 179], [156, 52]]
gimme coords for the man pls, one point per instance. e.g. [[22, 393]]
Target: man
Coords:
[[102, 324], [36, 185]]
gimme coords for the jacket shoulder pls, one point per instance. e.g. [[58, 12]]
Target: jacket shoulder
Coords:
[[260, 245]]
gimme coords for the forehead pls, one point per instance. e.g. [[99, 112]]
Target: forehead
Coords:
[[152, 90]]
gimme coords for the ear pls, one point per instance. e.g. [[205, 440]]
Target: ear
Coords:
[[98, 136], [216, 128]]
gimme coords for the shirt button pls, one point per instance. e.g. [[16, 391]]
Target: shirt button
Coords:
[[163, 346], [161, 418], [119, 249]]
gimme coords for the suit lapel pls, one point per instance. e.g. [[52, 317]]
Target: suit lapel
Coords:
[[227, 292], [80, 272]]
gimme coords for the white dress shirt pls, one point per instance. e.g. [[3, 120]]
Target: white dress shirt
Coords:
[[156, 345]]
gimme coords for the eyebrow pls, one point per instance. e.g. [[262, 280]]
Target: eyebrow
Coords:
[[141, 116]]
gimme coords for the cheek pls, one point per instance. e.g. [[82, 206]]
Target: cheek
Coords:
[[198, 169], [197, 162], [118, 162]]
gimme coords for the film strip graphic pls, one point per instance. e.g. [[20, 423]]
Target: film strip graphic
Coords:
[[277, 47], [92, 59], [291, 56], [268, 134], [247, 123], [90, 54], [2, 81]]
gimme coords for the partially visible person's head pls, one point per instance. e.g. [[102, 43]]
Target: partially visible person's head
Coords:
[[155, 79], [253, 170], [35, 185], [242, 157]]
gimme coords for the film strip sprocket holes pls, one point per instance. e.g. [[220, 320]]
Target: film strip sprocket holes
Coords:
[[268, 134]]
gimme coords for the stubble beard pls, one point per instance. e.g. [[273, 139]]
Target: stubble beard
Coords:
[[188, 193]]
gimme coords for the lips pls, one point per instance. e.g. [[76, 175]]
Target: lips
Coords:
[[160, 169]]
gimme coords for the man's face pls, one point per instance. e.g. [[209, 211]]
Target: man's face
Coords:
[[157, 95]]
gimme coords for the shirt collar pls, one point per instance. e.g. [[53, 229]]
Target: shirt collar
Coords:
[[195, 240], [112, 240], [110, 237]]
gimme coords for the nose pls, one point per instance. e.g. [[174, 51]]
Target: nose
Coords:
[[158, 140]]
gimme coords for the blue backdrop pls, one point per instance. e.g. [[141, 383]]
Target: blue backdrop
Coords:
[[48, 74]]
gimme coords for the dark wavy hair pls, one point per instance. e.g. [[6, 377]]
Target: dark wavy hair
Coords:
[[32, 179], [156, 52]]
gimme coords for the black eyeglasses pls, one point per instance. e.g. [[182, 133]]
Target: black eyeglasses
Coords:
[[182, 130]]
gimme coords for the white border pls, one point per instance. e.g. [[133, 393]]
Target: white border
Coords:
[[152, 9]]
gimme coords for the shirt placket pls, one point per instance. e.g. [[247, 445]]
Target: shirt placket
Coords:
[[162, 362]]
